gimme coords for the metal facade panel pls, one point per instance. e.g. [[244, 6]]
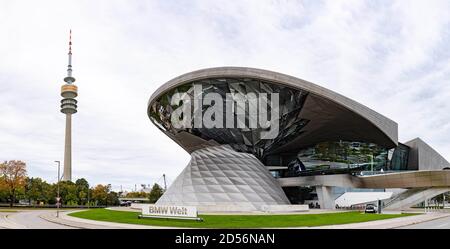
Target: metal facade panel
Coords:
[[248, 185]]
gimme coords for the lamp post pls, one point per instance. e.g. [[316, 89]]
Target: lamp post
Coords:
[[426, 204], [58, 197], [443, 201], [108, 187], [371, 164]]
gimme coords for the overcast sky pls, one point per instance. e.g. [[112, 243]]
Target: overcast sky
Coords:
[[392, 56]]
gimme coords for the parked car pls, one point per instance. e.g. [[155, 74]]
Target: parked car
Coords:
[[125, 203], [370, 208]]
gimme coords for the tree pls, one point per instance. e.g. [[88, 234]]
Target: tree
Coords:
[[4, 193], [38, 190], [103, 195], [68, 192], [13, 173], [49, 192], [82, 196], [141, 194], [155, 193], [100, 194], [82, 184], [113, 198], [82, 190]]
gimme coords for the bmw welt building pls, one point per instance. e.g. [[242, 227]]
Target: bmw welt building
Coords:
[[259, 138]]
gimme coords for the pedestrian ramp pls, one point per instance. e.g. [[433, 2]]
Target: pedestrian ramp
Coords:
[[411, 197]]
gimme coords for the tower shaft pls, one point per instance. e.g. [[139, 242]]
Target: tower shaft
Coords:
[[67, 175]]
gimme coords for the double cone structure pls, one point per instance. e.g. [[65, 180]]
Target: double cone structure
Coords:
[[219, 176]]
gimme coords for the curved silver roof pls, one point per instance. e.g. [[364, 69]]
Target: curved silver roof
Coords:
[[384, 124]]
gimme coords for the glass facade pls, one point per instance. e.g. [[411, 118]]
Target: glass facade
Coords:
[[329, 157], [241, 139], [323, 157]]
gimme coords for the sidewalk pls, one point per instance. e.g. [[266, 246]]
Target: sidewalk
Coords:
[[389, 223], [65, 219]]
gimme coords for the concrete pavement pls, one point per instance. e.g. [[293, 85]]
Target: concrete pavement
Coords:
[[390, 223], [5, 223], [29, 219], [46, 219], [67, 220], [443, 223]]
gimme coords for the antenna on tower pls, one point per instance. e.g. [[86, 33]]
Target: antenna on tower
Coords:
[[70, 43], [69, 79]]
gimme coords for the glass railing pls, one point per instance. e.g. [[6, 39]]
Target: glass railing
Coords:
[[371, 173]]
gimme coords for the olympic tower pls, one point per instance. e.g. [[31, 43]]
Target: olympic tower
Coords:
[[69, 92]]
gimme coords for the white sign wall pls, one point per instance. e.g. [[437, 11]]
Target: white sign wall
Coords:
[[169, 211]]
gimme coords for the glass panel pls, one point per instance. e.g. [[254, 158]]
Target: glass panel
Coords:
[[338, 157], [399, 159]]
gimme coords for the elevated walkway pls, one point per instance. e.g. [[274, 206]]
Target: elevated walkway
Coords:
[[349, 199], [409, 179]]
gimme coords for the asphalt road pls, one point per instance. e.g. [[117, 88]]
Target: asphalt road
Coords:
[[443, 223], [28, 220]]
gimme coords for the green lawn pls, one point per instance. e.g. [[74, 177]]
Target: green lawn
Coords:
[[7, 210], [237, 221]]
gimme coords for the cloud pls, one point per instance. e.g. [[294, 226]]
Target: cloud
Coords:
[[390, 56]]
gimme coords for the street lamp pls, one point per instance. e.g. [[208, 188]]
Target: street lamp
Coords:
[[371, 164], [108, 187], [58, 197]]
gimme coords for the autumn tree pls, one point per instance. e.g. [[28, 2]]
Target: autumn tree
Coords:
[[141, 194], [100, 194], [3, 190], [13, 174]]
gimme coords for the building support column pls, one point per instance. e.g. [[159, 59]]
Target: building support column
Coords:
[[325, 196]]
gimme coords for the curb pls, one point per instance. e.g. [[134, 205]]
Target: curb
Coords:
[[73, 224], [44, 217], [90, 224]]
